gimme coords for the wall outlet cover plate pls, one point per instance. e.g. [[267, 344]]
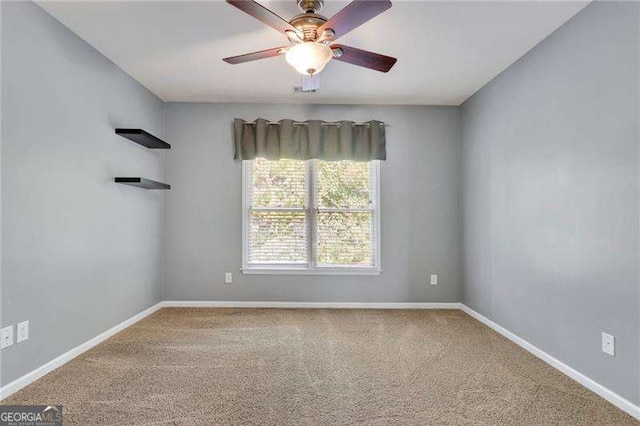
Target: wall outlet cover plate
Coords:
[[22, 331], [608, 344], [6, 337]]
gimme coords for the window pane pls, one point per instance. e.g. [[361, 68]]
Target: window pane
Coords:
[[277, 237], [278, 183], [345, 239], [343, 184]]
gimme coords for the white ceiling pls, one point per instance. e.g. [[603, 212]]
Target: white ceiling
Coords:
[[446, 50]]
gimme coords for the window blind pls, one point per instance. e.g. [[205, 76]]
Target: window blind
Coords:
[[312, 215], [346, 203], [277, 214]]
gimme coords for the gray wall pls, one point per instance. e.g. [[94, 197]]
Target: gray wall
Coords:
[[80, 253], [419, 192], [551, 192]]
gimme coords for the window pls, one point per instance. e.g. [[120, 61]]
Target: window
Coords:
[[311, 217]]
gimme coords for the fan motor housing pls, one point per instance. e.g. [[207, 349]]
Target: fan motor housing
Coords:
[[308, 24]]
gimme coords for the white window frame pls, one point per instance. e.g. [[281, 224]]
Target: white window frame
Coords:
[[310, 268]]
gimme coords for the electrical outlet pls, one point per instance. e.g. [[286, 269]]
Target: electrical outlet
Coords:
[[228, 277], [608, 344], [434, 279], [6, 337], [22, 331]]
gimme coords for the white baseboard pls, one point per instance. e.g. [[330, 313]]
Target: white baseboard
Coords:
[[620, 402], [34, 375], [307, 305]]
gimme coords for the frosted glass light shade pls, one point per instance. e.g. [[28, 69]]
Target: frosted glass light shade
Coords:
[[309, 58]]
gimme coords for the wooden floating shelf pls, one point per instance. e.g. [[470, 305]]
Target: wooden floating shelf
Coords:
[[143, 138], [141, 182]]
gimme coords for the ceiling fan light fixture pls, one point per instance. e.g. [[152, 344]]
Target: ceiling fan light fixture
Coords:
[[309, 58]]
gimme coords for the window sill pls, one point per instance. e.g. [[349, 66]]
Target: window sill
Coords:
[[319, 271]]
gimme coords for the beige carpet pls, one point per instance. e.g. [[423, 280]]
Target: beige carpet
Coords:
[[296, 366]]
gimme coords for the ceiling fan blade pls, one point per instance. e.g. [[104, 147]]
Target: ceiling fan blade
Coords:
[[362, 58], [254, 56], [353, 15], [263, 14]]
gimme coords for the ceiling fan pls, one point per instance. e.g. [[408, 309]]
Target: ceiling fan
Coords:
[[312, 35]]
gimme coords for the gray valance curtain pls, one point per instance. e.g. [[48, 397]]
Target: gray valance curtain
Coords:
[[343, 140]]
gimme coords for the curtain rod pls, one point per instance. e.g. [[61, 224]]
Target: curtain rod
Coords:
[[337, 124]]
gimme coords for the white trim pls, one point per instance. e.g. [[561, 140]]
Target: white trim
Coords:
[[617, 400], [306, 271], [306, 305], [245, 211], [312, 216], [377, 214], [34, 375]]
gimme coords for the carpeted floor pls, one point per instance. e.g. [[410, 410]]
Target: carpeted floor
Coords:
[[316, 366]]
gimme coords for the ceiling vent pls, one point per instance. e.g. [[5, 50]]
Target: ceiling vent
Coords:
[[310, 84]]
